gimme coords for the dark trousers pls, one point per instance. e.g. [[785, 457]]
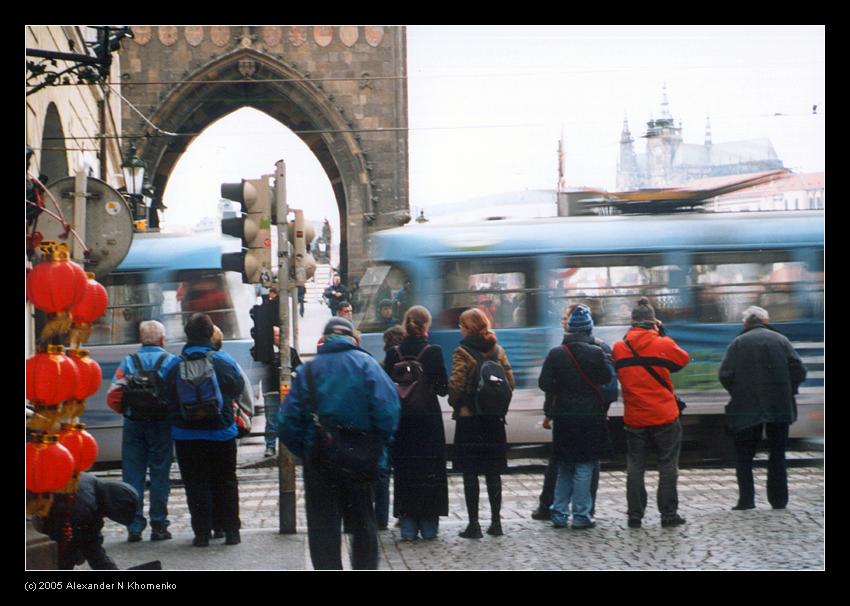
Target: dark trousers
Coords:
[[208, 470], [328, 500], [746, 442], [666, 441], [550, 478]]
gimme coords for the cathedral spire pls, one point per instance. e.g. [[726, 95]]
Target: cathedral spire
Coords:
[[707, 131], [626, 135], [665, 104]]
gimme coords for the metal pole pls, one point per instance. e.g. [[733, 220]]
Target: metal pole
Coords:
[[80, 191], [286, 462]]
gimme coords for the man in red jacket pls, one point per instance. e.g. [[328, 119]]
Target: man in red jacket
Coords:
[[644, 359]]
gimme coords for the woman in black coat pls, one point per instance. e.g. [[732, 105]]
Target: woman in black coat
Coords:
[[575, 403], [421, 492]]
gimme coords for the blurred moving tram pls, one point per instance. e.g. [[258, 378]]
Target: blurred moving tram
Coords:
[[166, 278], [699, 270]]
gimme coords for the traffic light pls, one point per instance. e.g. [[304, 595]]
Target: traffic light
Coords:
[[301, 233], [263, 317], [253, 226]]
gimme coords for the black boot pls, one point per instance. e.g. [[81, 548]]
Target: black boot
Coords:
[[495, 529], [473, 531]]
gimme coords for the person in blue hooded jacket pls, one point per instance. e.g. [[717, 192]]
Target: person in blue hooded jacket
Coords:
[[206, 456], [351, 389]]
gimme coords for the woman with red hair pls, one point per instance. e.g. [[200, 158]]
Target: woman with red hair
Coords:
[[480, 440]]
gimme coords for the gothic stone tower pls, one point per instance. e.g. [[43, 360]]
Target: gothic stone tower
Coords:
[[343, 90], [662, 140]]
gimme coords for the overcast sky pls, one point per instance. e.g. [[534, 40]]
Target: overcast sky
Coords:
[[487, 105]]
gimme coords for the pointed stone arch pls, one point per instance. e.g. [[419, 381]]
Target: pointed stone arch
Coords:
[[355, 127]]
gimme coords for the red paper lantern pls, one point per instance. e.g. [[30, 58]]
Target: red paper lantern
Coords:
[[51, 377], [90, 375], [49, 464], [92, 304], [56, 283], [80, 444]]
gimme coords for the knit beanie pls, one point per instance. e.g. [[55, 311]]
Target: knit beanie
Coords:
[[580, 320], [643, 312], [339, 326]]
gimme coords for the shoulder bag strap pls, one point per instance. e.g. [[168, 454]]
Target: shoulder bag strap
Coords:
[[581, 372], [137, 362], [649, 369]]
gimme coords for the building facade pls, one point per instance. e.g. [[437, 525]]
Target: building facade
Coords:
[[670, 161]]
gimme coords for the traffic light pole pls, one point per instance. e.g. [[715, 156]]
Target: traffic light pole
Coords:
[[286, 462]]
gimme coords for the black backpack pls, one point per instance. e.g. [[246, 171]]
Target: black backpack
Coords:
[[144, 392], [409, 376], [493, 393]]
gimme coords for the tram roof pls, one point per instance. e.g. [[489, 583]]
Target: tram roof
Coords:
[[157, 251], [617, 233]]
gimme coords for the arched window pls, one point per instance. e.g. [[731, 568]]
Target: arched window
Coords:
[[54, 159]]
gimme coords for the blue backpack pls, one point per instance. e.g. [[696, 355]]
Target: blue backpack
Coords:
[[199, 399]]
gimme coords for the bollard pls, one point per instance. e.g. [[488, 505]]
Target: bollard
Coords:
[[286, 490]]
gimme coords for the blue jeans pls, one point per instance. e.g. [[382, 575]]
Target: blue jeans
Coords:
[[666, 441], [428, 526], [148, 445], [573, 488], [272, 405]]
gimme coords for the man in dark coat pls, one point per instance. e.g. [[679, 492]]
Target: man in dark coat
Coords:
[[573, 373], [761, 371]]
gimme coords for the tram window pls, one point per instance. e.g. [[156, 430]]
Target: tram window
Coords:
[[611, 284], [382, 283], [498, 287], [726, 284], [134, 298]]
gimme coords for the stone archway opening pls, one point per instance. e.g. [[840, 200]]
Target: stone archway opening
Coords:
[[245, 144]]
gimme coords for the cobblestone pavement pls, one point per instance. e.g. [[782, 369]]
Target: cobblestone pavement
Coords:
[[714, 538]]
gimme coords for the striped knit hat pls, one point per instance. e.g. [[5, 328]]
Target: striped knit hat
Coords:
[[580, 320]]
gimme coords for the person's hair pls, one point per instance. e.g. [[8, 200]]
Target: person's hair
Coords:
[[417, 321], [151, 332], [753, 316], [217, 338], [393, 336], [344, 304], [199, 328], [477, 323]]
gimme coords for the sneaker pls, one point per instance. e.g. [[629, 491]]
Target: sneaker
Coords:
[[160, 534], [495, 529], [583, 525], [270, 452], [559, 520], [473, 531], [232, 537], [134, 537], [634, 522], [670, 522], [540, 514], [201, 541]]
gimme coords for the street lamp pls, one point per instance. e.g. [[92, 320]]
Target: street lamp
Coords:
[[134, 180]]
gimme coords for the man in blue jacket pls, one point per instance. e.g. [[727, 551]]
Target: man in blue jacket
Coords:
[[146, 444], [205, 431], [351, 389]]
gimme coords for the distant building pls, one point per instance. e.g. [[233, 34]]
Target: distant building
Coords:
[[670, 161], [789, 192]]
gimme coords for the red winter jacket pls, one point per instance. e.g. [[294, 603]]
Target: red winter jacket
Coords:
[[646, 402]]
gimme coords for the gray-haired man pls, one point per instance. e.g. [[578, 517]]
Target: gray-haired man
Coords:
[[761, 371], [146, 442]]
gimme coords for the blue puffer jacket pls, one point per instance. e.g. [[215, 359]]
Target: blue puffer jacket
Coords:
[[351, 389], [230, 381]]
